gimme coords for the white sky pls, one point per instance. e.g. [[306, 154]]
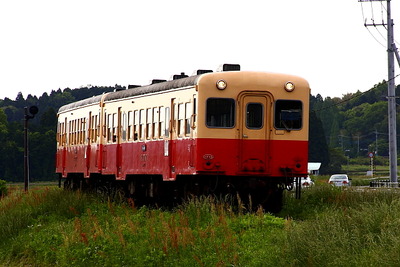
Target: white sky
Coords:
[[46, 45]]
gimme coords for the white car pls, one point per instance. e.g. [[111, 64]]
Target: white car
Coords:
[[340, 180], [305, 182]]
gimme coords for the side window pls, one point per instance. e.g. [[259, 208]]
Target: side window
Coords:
[[69, 133], [220, 113], [96, 127], [84, 131], [114, 127], [194, 110], [79, 131], [254, 116], [181, 116], [59, 133], [188, 115], [91, 128], [154, 127], [129, 130], [109, 131], [161, 122], [167, 122], [135, 125], [124, 126], [142, 121], [149, 122], [288, 114], [73, 132]]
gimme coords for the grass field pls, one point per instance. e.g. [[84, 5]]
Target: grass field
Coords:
[[327, 227]]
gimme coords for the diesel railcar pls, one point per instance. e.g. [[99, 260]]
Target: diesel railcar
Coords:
[[227, 132]]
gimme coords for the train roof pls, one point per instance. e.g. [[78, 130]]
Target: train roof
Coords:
[[141, 90]]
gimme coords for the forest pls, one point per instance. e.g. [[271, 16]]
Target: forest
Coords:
[[342, 130]]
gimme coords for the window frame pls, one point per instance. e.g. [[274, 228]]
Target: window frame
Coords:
[[233, 116], [262, 116], [276, 125]]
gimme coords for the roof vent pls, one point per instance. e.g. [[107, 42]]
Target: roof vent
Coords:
[[157, 81], [130, 86], [229, 67], [199, 72], [179, 76]]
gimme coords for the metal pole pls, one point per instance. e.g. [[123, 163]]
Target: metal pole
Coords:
[[391, 100], [26, 165]]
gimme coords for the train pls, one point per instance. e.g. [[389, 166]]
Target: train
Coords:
[[224, 132]]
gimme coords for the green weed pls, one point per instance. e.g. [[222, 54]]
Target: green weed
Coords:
[[329, 226]]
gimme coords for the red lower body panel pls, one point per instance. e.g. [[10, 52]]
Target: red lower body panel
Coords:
[[266, 158]]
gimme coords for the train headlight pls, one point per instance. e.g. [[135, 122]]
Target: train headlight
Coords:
[[289, 86], [221, 84]]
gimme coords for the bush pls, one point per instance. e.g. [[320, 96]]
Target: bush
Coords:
[[3, 188]]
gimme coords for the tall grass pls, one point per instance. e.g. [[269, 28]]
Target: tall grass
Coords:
[[327, 227], [344, 227], [56, 227]]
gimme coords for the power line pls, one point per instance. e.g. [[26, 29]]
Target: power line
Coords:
[[373, 24], [352, 97]]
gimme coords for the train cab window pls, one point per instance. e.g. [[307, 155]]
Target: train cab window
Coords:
[[288, 114], [220, 113], [254, 116]]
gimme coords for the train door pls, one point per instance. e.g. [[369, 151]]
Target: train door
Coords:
[[88, 150], [170, 137], [118, 141], [254, 131], [62, 153]]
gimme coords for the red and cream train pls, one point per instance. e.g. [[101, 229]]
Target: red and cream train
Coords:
[[232, 131]]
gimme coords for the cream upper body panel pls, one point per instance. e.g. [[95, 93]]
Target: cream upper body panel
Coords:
[[191, 93]]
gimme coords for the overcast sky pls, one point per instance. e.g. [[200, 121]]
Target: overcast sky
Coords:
[[47, 45]]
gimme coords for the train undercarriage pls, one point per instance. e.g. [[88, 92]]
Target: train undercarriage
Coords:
[[250, 193]]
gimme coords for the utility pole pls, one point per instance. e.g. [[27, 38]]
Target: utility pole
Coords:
[[33, 110], [376, 142], [391, 50], [391, 100]]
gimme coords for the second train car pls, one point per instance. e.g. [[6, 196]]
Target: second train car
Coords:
[[226, 132]]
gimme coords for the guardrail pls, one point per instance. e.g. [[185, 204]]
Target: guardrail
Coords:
[[383, 183]]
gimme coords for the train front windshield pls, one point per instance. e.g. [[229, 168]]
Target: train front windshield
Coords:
[[288, 114], [220, 112]]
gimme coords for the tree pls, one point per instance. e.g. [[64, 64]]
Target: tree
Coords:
[[318, 150]]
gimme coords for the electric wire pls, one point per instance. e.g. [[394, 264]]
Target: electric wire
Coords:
[[365, 24], [383, 8], [352, 97]]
